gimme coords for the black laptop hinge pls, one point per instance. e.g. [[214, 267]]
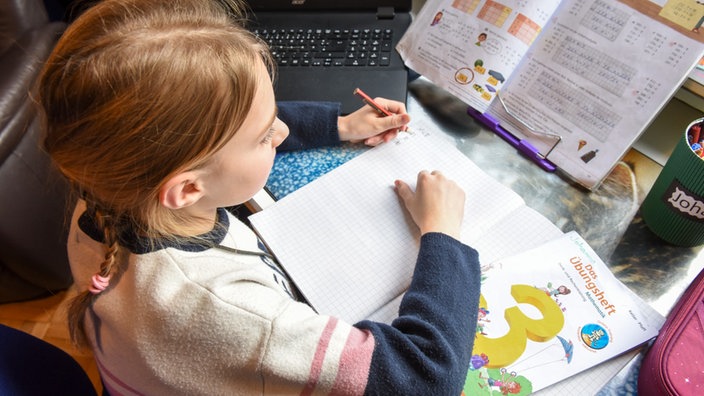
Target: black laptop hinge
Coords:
[[385, 13]]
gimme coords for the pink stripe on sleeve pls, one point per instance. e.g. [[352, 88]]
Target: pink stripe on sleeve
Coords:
[[111, 381], [353, 374], [319, 357]]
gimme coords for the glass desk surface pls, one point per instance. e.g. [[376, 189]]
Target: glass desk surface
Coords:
[[608, 218]]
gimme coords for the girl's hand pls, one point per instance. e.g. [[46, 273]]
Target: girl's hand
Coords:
[[437, 205], [367, 125]]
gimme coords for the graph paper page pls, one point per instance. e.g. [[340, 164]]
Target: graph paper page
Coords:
[[345, 240]]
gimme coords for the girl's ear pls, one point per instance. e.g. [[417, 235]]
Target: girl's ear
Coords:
[[180, 191]]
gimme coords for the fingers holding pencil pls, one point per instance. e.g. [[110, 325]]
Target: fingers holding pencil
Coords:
[[379, 121], [376, 106]]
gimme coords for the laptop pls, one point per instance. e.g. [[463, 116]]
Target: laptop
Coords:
[[327, 48]]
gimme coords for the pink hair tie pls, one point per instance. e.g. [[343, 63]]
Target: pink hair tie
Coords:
[[98, 283]]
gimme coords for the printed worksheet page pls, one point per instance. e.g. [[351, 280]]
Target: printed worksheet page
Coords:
[[594, 73], [471, 47], [598, 75]]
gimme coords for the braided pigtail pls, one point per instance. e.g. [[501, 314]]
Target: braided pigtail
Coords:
[[115, 83], [98, 283]]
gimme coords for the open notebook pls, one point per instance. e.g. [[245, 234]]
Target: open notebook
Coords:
[[324, 49], [345, 241], [359, 231]]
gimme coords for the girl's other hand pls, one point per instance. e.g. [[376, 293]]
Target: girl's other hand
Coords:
[[437, 205]]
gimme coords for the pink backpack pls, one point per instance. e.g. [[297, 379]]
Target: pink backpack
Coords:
[[674, 364]]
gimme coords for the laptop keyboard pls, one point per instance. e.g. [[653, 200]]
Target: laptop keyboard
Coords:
[[329, 47]]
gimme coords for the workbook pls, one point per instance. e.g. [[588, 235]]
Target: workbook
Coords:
[[347, 243], [572, 83], [549, 313]]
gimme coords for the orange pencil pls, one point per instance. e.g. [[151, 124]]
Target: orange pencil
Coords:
[[382, 111]]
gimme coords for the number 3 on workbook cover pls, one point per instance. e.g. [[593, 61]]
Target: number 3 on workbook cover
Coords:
[[549, 313]]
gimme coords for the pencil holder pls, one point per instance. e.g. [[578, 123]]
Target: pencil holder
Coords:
[[674, 207]]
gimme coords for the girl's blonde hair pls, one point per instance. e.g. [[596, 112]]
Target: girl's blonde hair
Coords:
[[135, 92]]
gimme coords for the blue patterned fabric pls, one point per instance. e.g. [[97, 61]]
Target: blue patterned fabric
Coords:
[[294, 169]]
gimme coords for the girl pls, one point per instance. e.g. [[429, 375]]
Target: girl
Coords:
[[161, 113]]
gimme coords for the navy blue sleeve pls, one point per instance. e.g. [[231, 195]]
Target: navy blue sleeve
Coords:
[[426, 350], [312, 124]]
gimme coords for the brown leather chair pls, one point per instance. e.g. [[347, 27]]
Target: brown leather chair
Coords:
[[33, 197]]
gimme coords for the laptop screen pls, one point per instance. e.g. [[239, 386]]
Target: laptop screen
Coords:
[[328, 5]]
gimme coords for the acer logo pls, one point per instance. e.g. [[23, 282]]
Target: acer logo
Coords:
[[297, 2]]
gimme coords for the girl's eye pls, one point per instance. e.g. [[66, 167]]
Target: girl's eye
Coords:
[[268, 136]]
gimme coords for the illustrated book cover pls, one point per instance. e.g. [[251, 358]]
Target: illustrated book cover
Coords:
[[549, 313]]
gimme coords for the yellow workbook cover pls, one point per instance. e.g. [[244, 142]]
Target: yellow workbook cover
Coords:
[[549, 313]]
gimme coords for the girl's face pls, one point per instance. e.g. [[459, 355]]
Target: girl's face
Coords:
[[240, 169]]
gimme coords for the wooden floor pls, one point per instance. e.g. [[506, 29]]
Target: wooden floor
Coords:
[[46, 319]]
